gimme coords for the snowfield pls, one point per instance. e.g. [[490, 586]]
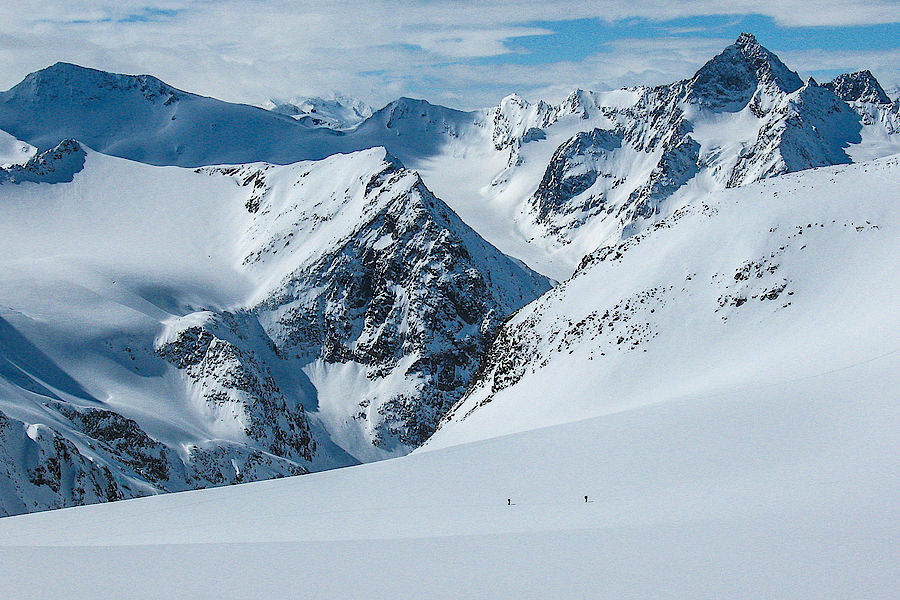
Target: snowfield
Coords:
[[782, 279], [785, 490]]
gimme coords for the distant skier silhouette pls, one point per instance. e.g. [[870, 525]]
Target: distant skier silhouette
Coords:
[[509, 501], [585, 498]]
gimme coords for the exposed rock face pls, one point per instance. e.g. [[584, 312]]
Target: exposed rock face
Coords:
[[807, 129], [410, 293], [515, 117], [237, 389], [730, 80], [573, 169], [58, 165], [40, 469], [90, 455], [858, 87]]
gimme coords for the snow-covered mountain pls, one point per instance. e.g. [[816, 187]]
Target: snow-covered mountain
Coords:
[[334, 112], [858, 87], [526, 176], [142, 118], [708, 409], [166, 329], [603, 166], [316, 293]]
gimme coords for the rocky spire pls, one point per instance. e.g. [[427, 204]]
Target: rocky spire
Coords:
[[858, 87], [729, 80]]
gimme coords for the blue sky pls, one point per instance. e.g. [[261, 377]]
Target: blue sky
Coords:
[[457, 52], [576, 39]]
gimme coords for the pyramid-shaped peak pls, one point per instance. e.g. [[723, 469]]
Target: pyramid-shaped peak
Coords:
[[730, 79], [858, 87]]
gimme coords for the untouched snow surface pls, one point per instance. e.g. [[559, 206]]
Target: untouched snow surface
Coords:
[[784, 490]]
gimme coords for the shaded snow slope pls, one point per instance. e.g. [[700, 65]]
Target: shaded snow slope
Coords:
[[142, 118], [773, 282], [782, 490], [211, 317]]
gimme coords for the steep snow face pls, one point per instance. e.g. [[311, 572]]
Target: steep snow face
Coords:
[[336, 112], [773, 282], [230, 323]]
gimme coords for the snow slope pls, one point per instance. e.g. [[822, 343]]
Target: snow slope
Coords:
[[13, 151], [777, 281], [165, 328]]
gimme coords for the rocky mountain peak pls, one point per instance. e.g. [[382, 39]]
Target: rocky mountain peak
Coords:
[[57, 165], [858, 87], [729, 80]]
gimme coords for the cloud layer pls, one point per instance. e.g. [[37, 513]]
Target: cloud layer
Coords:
[[454, 52]]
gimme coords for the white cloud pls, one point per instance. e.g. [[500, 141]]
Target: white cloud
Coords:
[[247, 50]]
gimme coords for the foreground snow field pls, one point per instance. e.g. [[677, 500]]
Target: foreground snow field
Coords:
[[784, 490]]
